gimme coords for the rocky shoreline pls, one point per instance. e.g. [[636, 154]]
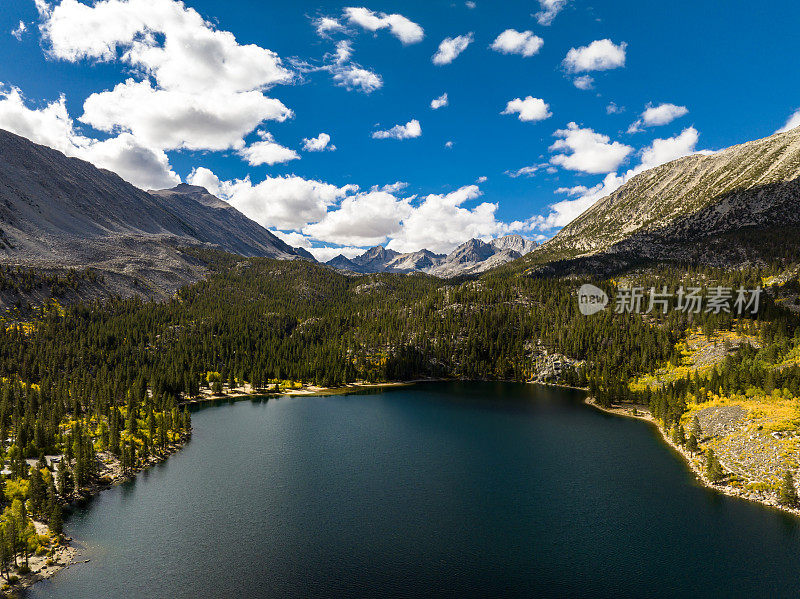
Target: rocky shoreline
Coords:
[[693, 461], [111, 474]]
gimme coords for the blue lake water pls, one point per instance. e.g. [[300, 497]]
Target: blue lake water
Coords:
[[445, 490]]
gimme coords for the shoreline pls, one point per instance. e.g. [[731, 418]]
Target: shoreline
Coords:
[[693, 462], [64, 557]]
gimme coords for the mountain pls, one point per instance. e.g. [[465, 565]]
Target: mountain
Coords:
[[719, 208], [516, 243], [343, 263], [422, 260], [375, 259], [217, 222], [471, 257], [58, 212]]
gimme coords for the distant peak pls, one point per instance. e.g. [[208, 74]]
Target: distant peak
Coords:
[[186, 188]]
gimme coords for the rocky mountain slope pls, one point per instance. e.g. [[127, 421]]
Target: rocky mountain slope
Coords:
[[471, 257], [58, 212], [702, 207]]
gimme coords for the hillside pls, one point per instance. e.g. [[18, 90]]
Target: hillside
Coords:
[[713, 208], [58, 213]]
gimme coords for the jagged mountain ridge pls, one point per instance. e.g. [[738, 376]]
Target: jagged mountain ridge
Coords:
[[471, 257], [58, 212]]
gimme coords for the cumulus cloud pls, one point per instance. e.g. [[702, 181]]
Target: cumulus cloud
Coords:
[[410, 130], [654, 116], [172, 119], [469, 4], [451, 47], [583, 82], [283, 202], [448, 144], [549, 9], [327, 25], [659, 152], [318, 144], [600, 55], [529, 109], [441, 222], [440, 102], [613, 108], [19, 30], [406, 30], [323, 254], [208, 89], [52, 126], [267, 151], [791, 123], [511, 41], [586, 151], [363, 219], [354, 77]]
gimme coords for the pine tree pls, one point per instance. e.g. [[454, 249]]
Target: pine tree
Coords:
[[56, 521], [788, 492], [691, 444], [37, 492], [714, 471]]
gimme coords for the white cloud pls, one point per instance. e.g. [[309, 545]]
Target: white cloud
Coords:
[[327, 25], [791, 123], [654, 116], [363, 219], [267, 151], [482, 179], [600, 55], [293, 238], [469, 4], [391, 187], [440, 222], [19, 30], [323, 254], [448, 144], [440, 102], [659, 152], [318, 144], [511, 41], [355, 78], [407, 31], [284, 202], [172, 119], [208, 89], [344, 50], [52, 126], [527, 171], [613, 108], [549, 10], [529, 109], [573, 191], [191, 56], [583, 82], [450, 48], [410, 130], [587, 151]]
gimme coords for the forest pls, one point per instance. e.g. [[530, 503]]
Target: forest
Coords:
[[111, 378]]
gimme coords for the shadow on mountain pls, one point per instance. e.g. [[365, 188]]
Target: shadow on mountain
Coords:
[[753, 226]]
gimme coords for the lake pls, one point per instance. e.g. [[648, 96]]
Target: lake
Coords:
[[446, 490]]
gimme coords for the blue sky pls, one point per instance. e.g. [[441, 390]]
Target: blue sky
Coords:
[[143, 95]]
